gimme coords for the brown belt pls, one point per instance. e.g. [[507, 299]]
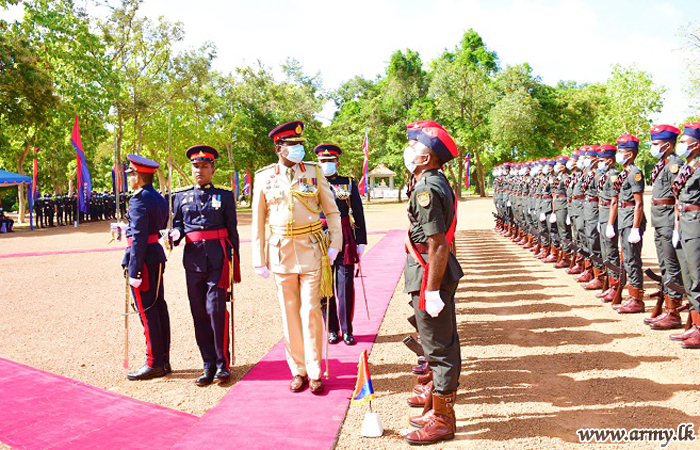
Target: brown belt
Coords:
[[546, 197], [592, 199], [690, 207], [626, 204], [420, 247], [663, 201], [605, 202], [561, 195], [579, 197]]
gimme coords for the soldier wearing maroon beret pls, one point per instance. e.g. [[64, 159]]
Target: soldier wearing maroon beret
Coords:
[[432, 274]]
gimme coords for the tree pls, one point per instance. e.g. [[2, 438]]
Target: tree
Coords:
[[691, 37]]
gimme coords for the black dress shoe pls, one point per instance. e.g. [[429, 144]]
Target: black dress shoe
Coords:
[[206, 378], [333, 337], [146, 373], [349, 339], [222, 375], [168, 369]]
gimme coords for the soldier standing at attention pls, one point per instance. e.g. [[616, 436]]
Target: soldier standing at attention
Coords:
[[205, 216], [608, 234], [144, 261], [628, 203], [432, 274], [663, 143], [686, 188], [290, 195], [352, 219], [562, 254]]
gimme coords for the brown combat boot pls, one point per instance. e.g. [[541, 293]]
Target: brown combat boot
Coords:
[[553, 255], [544, 252], [578, 266], [564, 261], [424, 417], [612, 284], [587, 274], [597, 282], [426, 378], [635, 302], [441, 426], [536, 246], [695, 318], [657, 313], [420, 399], [609, 295], [671, 318]]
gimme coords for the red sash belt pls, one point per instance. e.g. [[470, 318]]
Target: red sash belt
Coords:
[[222, 236], [152, 239], [579, 197], [592, 199], [605, 202], [350, 248], [561, 195], [415, 252]]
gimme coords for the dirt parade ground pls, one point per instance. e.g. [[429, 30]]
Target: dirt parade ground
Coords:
[[541, 357]]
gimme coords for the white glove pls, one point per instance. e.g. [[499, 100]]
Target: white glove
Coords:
[[552, 218], [332, 254], [508, 203], [634, 236], [676, 238], [113, 227], [262, 271], [609, 231], [135, 282], [542, 217], [360, 250], [433, 303], [568, 220], [174, 234]]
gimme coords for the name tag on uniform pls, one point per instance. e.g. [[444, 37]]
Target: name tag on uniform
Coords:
[[216, 201]]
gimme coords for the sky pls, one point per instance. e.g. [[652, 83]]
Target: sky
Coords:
[[560, 39]]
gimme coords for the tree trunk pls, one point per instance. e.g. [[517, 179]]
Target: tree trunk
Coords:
[[21, 188], [456, 187], [479, 175], [71, 183], [162, 183]]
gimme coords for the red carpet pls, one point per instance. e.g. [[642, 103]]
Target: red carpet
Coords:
[[259, 412], [40, 410]]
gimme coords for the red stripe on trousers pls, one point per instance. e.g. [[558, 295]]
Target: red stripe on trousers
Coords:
[[137, 296], [226, 355]]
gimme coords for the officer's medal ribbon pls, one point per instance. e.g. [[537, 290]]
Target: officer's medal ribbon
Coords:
[[216, 201]]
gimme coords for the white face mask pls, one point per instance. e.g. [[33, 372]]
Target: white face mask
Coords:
[[558, 168], [683, 150], [620, 159], [602, 165], [570, 164], [579, 164], [535, 171], [295, 153], [587, 162], [656, 151], [547, 169], [328, 168], [409, 157]]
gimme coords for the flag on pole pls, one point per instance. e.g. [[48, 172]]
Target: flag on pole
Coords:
[[35, 175], [362, 187], [363, 388], [467, 167], [237, 187], [84, 182], [119, 182], [246, 183]]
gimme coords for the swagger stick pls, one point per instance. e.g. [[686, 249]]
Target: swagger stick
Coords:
[[364, 292]]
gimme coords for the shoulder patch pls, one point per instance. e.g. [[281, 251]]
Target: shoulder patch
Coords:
[[270, 166], [184, 188], [673, 168], [423, 198], [638, 176], [613, 178]]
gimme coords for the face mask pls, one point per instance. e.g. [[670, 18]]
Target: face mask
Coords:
[[620, 159], [570, 164], [409, 156], [602, 165], [579, 164], [656, 151], [295, 153], [328, 168], [587, 162], [558, 168], [683, 150], [547, 169], [535, 171]]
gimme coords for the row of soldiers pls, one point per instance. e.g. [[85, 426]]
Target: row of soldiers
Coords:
[[576, 212], [50, 211]]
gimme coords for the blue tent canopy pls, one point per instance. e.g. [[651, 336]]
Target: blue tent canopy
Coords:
[[12, 179]]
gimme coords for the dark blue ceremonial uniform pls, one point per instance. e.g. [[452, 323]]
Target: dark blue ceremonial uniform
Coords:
[[204, 210], [352, 218], [145, 259]]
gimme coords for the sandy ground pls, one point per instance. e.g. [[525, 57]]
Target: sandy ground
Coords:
[[541, 356]]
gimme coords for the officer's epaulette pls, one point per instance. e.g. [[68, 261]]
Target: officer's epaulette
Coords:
[[184, 188], [265, 168], [137, 191], [225, 188]]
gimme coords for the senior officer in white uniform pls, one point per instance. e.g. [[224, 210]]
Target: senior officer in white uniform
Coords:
[[289, 195]]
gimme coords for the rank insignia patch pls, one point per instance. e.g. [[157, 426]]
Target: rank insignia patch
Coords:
[[423, 199], [673, 168]]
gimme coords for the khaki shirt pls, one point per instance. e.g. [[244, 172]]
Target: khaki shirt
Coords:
[[274, 203]]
